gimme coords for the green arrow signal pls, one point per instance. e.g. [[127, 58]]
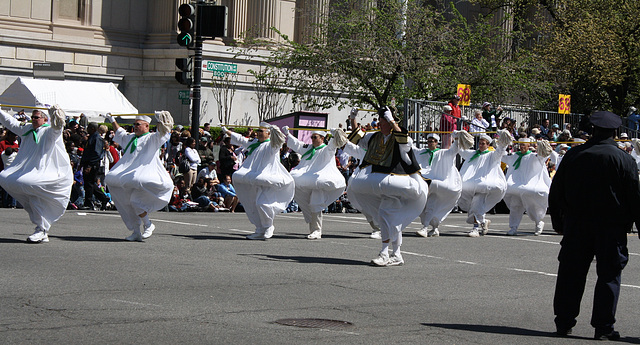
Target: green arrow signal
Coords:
[[184, 39]]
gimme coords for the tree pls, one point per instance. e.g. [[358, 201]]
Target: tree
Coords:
[[367, 54], [224, 89], [270, 96], [591, 48]]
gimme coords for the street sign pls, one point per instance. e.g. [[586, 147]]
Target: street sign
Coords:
[[220, 66], [184, 94], [464, 91], [186, 101], [564, 104]]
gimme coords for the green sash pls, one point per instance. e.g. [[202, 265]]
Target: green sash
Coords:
[[516, 165], [312, 151], [477, 154], [133, 143], [33, 131], [253, 146], [431, 152]]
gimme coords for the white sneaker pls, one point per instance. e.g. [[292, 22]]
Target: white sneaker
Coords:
[[269, 232], [148, 231], [382, 260], [485, 226], [539, 228], [376, 235], [424, 232], [135, 237], [473, 233], [39, 236], [316, 235], [512, 232], [395, 260], [433, 233]]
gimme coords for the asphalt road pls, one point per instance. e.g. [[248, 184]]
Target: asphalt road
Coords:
[[197, 280]]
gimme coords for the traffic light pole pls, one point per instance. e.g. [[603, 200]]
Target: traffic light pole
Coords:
[[196, 88]]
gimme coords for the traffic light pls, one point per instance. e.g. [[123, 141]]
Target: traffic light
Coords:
[[212, 20], [184, 76], [186, 24]]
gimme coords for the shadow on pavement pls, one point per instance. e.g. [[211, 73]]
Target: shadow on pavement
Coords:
[[308, 259], [239, 237], [87, 239], [516, 331], [12, 240]]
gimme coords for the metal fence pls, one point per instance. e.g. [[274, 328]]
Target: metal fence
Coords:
[[423, 115]]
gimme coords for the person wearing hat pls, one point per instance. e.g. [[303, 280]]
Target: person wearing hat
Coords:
[[263, 185], [40, 177], [593, 203], [445, 185], [317, 178], [209, 172], [493, 115], [483, 182], [388, 187], [205, 153], [528, 184], [139, 183], [448, 123]]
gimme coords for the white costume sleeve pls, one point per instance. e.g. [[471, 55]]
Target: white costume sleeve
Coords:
[[276, 137], [12, 124], [239, 140], [57, 117], [295, 144]]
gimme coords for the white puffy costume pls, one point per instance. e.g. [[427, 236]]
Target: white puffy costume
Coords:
[[40, 177], [483, 182], [139, 183], [263, 185], [528, 185], [635, 153], [388, 187], [445, 184], [318, 182]]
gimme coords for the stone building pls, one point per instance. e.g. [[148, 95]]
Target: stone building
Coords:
[[133, 44]]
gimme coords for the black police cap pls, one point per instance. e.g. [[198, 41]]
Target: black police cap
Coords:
[[606, 119]]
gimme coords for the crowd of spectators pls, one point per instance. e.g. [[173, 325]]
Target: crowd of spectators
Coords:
[[202, 171]]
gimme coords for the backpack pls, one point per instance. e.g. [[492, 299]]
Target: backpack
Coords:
[[184, 165]]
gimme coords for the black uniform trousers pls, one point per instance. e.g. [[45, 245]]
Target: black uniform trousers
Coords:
[[576, 255]]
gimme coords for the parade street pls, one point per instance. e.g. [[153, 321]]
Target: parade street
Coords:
[[197, 280]]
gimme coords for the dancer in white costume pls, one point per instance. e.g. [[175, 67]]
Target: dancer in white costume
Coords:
[[445, 184], [139, 183], [528, 184], [40, 177], [357, 152], [483, 182], [263, 185], [635, 153], [388, 187], [317, 178]]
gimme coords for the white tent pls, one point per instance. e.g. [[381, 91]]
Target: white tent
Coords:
[[74, 97]]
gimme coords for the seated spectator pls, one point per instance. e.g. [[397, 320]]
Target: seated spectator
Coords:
[[209, 172], [179, 197], [228, 193], [200, 196]]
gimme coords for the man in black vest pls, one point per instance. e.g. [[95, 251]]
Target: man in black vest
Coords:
[[388, 187]]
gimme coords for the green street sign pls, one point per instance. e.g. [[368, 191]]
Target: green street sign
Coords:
[[184, 94], [220, 67]]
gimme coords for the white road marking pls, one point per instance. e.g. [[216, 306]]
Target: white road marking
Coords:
[[155, 220], [136, 303]]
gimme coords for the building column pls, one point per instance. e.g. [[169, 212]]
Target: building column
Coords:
[[262, 15]]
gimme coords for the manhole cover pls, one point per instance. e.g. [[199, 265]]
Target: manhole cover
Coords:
[[315, 323]]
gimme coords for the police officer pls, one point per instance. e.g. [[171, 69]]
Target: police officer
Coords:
[[606, 177]]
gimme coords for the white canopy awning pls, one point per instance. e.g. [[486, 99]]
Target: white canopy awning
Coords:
[[74, 97]]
